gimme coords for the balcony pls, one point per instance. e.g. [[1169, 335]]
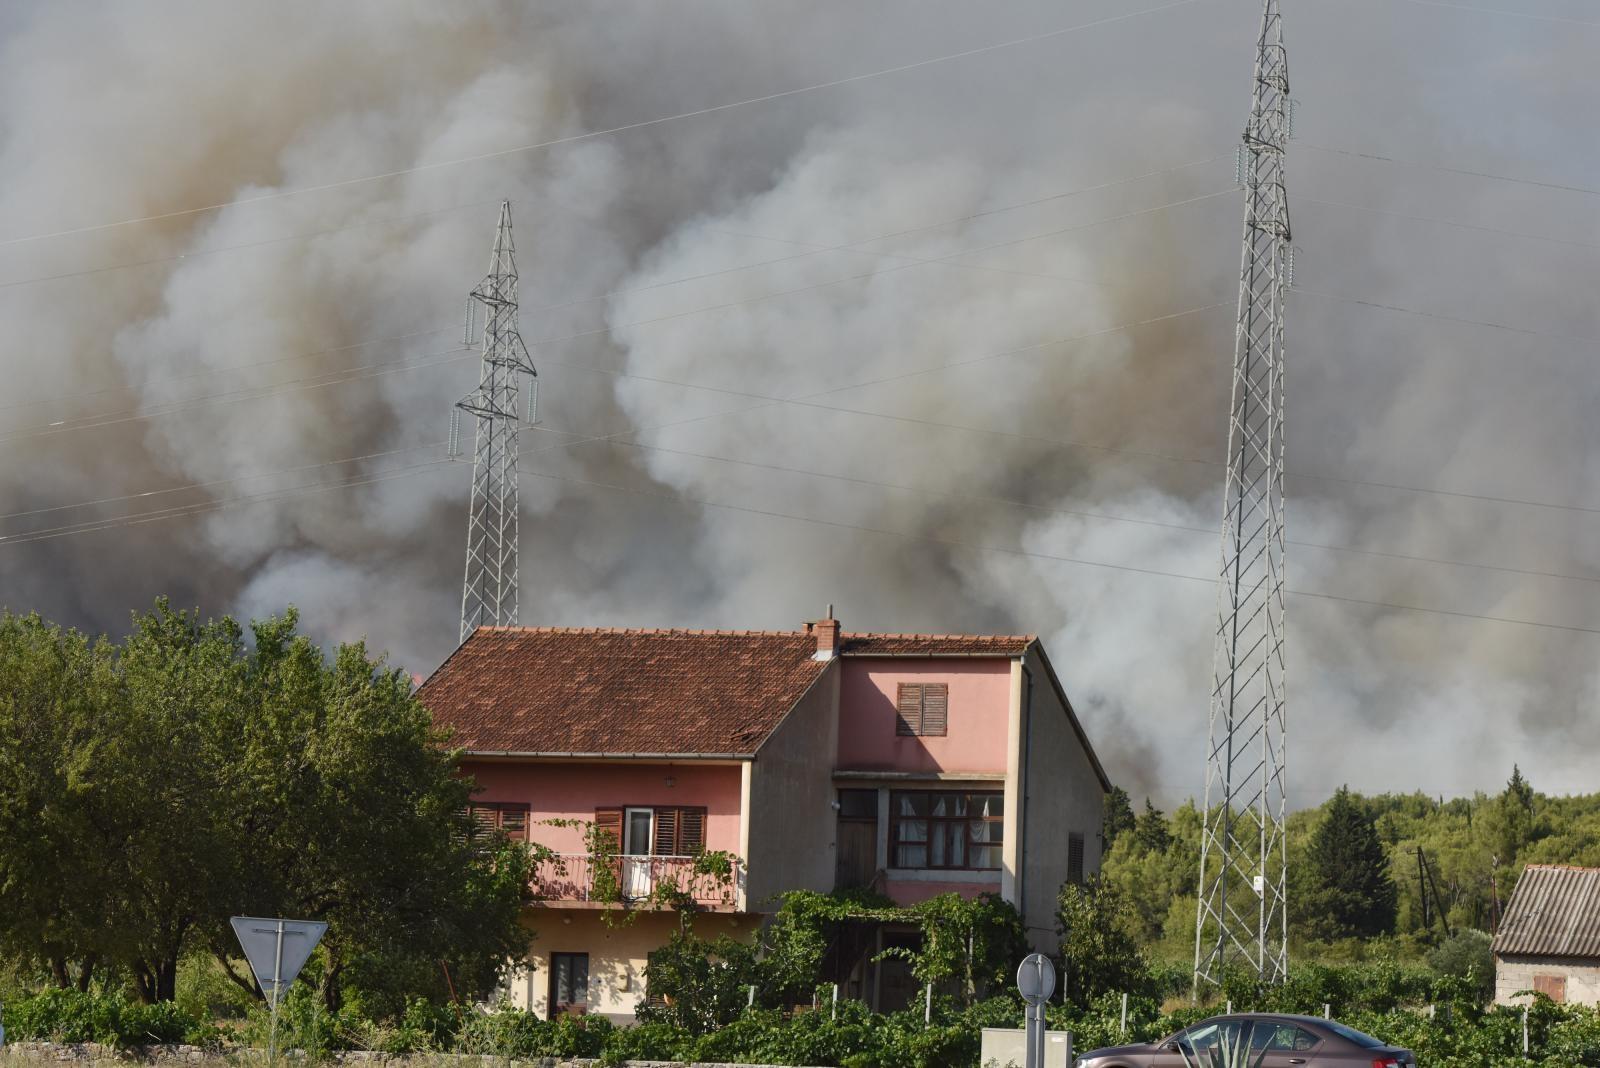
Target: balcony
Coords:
[[568, 880]]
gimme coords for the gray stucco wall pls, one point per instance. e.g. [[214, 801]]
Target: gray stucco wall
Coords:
[[1517, 973], [792, 820], [1061, 794]]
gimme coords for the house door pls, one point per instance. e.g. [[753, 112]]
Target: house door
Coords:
[[637, 825], [857, 839]]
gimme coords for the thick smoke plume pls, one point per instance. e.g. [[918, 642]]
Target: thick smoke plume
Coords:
[[862, 306]]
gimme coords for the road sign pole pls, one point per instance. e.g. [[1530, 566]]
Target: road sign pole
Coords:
[[277, 985]]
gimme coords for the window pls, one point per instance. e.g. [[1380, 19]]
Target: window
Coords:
[[1270, 1035], [680, 832], [1074, 857], [858, 804], [664, 832], [922, 709], [946, 830], [486, 816], [569, 983]]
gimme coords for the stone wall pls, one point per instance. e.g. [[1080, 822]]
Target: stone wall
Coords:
[[87, 1053], [1512, 974]]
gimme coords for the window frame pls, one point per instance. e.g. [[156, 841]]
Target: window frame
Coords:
[[674, 827], [932, 821]]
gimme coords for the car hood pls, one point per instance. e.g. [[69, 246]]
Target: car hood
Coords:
[[1140, 1049]]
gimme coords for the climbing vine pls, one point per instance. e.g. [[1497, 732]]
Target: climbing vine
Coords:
[[712, 873]]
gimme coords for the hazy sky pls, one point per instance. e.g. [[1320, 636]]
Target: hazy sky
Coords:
[[946, 346]]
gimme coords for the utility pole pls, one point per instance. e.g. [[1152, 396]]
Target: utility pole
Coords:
[[489, 592], [1241, 915]]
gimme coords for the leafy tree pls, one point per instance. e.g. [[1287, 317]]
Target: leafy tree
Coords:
[[1118, 815], [1352, 890], [696, 985], [1150, 829], [1098, 953], [151, 789], [50, 915]]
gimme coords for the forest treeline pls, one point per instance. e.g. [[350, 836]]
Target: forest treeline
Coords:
[[1357, 886]]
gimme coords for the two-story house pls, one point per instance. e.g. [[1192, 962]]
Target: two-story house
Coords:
[[913, 763]]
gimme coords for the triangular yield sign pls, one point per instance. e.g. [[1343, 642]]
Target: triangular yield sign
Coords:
[[277, 949]]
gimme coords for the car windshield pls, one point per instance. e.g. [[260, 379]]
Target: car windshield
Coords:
[[1350, 1034]]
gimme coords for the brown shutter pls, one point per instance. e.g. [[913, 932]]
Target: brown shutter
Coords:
[[666, 833], [935, 708], [609, 821], [908, 710], [514, 821], [691, 831]]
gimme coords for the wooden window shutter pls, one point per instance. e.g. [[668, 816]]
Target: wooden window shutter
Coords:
[[908, 710], [609, 821], [935, 708], [691, 831], [514, 821], [666, 843], [1074, 857]]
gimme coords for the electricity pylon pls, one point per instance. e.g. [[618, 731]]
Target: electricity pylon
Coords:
[[1242, 917], [489, 592]]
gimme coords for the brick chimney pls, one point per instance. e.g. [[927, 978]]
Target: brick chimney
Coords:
[[827, 633]]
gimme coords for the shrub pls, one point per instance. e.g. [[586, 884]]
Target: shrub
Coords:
[[79, 1016]]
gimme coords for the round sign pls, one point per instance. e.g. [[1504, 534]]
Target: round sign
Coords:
[[1036, 978]]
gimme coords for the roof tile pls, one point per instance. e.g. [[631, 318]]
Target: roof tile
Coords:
[[557, 690]]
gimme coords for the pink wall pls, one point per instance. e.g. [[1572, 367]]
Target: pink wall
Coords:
[[980, 706], [912, 891], [574, 791]]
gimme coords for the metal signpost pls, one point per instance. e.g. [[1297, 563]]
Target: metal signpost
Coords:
[[276, 949], [1036, 981]]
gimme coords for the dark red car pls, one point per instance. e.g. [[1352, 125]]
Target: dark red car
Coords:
[[1274, 1041]]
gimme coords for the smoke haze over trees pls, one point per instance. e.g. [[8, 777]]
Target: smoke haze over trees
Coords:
[[295, 354]]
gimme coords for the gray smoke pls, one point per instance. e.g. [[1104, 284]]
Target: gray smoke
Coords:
[[327, 328]]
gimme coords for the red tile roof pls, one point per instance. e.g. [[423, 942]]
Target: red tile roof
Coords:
[[570, 691], [1005, 645]]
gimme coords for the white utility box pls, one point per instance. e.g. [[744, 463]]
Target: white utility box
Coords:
[[1006, 1047]]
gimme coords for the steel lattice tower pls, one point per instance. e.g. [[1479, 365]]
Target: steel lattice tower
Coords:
[[489, 593], [1242, 919]]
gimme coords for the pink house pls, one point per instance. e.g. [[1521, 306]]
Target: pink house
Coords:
[[913, 763]]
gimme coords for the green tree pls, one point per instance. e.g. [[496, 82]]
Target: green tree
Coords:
[[151, 789], [1150, 829], [1118, 815], [1098, 952], [50, 906], [1351, 889]]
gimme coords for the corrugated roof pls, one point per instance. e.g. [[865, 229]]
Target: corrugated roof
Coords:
[[596, 690], [1554, 912]]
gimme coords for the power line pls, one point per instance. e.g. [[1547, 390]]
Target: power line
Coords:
[[213, 483], [573, 138], [981, 547], [1208, 532], [1448, 170], [1502, 11], [345, 375], [1344, 299], [236, 248], [1447, 222], [817, 250]]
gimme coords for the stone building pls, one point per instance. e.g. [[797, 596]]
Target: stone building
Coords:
[[1549, 938]]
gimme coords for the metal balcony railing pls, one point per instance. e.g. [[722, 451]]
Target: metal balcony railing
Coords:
[[571, 877]]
